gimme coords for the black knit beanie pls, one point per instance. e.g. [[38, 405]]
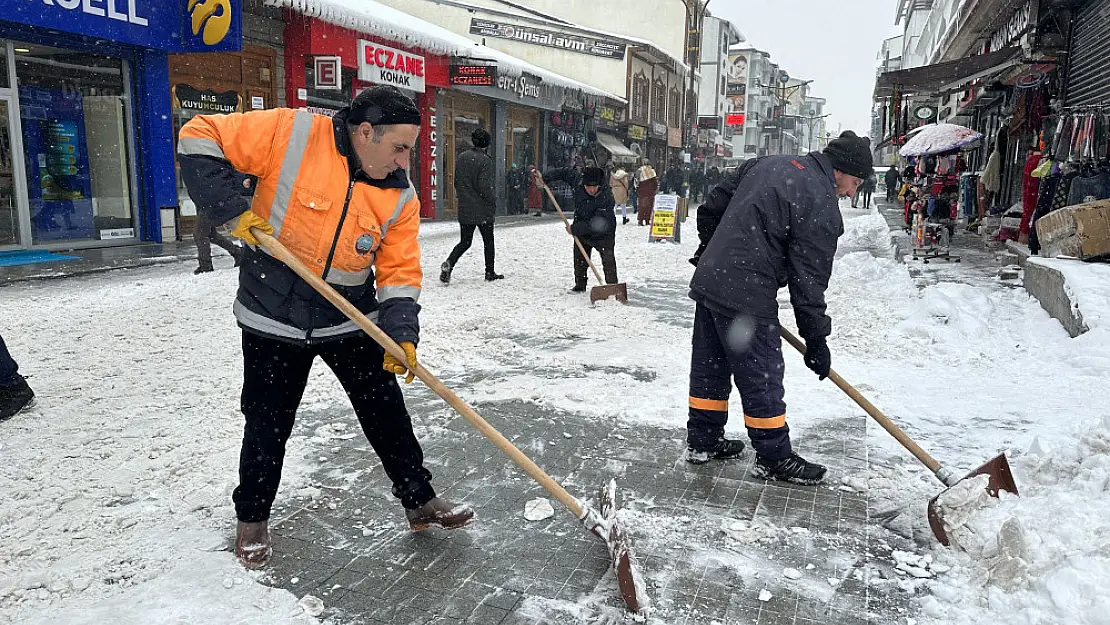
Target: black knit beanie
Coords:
[[851, 155], [593, 177], [383, 105], [480, 139]]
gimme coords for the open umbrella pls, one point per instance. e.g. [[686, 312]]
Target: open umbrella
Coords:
[[940, 138]]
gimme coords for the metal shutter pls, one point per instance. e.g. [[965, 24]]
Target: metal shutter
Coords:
[[1089, 71]]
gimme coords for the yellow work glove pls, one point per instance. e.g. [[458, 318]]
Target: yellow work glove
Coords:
[[247, 221], [392, 365]]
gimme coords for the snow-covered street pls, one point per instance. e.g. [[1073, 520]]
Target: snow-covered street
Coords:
[[115, 489]]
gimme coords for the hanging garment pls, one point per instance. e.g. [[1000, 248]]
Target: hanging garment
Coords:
[[1030, 188], [992, 173], [1045, 197], [1088, 188]]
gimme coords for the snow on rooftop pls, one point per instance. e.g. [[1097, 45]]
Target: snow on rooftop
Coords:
[[373, 18]]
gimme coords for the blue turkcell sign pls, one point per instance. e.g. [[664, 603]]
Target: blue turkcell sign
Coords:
[[168, 25]]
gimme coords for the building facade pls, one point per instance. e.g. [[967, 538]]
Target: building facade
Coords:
[[86, 131]]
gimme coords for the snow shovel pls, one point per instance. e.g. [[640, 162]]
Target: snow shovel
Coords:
[[604, 291], [997, 469], [603, 522]]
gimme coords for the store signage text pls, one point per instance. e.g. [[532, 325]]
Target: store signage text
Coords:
[[607, 113], [637, 132], [709, 123], [168, 25], [1014, 27], [519, 86], [473, 75], [433, 173], [736, 88], [734, 119], [328, 72], [189, 97], [659, 130], [390, 66], [548, 38]]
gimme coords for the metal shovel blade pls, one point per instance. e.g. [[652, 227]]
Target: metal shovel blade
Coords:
[[618, 291], [619, 543], [999, 478]]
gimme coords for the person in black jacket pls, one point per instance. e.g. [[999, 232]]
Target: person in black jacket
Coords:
[[477, 204], [773, 223], [595, 223]]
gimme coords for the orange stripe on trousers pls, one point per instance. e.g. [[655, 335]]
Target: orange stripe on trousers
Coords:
[[765, 424], [720, 405]]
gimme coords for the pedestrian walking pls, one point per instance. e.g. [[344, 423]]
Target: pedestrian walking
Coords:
[[205, 234], [15, 394], [867, 189], [336, 190], [618, 182], [595, 223], [647, 187], [893, 181], [477, 205], [773, 223]]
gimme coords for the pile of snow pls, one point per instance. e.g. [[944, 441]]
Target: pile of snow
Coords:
[[1088, 286], [1041, 557]]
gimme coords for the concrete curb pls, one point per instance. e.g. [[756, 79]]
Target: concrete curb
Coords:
[[1049, 287]]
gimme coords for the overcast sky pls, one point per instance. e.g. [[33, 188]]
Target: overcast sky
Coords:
[[833, 43]]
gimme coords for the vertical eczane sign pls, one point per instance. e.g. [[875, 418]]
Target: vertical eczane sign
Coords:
[[384, 65]]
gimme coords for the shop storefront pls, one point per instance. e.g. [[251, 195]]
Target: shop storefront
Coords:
[[327, 65], [657, 146], [86, 138]]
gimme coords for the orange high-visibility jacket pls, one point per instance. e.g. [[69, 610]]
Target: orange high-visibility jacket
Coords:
[[339, 222]]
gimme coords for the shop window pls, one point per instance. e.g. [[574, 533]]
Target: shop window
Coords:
[[659, 101], [640, 98], [675, 109], [330, 100], [75, 137], [9, 217]]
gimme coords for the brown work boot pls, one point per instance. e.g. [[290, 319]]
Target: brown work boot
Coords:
[[252, 544], [441, 512]]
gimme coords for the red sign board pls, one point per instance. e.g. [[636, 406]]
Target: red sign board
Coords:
[[734, 119], [473, 75]]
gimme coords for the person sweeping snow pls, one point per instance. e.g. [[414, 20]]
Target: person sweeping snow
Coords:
[[773, 223], [336, 192]]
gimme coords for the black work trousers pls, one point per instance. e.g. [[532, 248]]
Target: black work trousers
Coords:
[[606, 249], [275, 374], [467, 237], [746, 351]]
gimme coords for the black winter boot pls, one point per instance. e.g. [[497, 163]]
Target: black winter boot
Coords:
[[792, 468], [726, 449], [14, 399], [446, 514], [445, 272], [493, 275], [203, 269]]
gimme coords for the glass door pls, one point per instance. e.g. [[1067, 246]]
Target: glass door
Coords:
[[14, 222]]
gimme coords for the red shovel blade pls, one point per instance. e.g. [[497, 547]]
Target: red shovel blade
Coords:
[[617, 291], [999, 478]]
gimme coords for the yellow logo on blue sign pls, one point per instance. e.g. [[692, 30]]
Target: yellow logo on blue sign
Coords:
[[211, 19]]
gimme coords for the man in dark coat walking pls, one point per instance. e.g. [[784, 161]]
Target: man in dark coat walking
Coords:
[[595, 223], [773, 223], [477, 204], [893, 180]]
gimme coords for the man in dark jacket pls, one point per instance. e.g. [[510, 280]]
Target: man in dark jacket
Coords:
[[893, 180], [773, 223], [595, 223], [477, 204]]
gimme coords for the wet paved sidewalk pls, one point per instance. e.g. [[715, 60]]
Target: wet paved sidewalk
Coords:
[[710, 538]]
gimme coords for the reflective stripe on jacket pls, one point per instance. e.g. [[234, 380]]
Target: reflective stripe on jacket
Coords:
[[340, 223]]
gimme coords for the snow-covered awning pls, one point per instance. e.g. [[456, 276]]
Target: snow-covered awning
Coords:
[[373, 18]]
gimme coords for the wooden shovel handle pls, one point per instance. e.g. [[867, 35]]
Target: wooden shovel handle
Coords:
[[280, 252], [870, 409], [597, 274]]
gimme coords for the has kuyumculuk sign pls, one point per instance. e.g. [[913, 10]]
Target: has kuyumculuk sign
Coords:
[[389, 66], [664, 220]]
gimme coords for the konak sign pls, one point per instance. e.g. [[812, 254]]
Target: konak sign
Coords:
[[389, 66]]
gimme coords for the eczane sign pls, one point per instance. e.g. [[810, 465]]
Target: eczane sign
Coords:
[[389, 66]]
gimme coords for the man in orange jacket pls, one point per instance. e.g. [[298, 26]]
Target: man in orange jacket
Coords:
[[335, 192]]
